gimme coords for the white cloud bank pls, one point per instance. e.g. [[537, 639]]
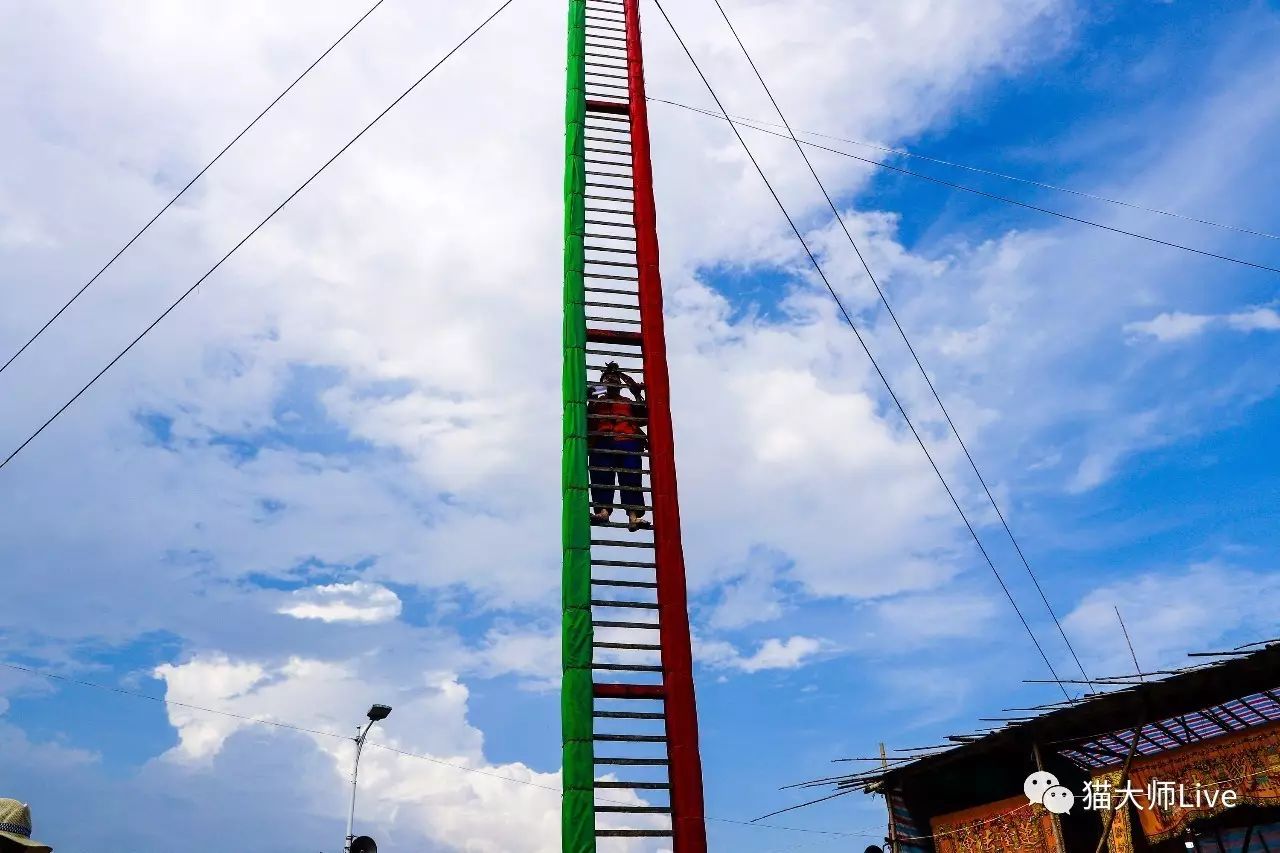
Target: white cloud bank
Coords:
[[773, 653], [451, 796], [1173, 611], [359, 601], [1177, 326]]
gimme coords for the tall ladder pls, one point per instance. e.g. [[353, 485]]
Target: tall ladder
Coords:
[[631, 763]]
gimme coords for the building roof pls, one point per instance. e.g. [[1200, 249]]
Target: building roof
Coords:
[[1171, 708]]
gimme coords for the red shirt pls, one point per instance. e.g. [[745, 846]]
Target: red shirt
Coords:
[[618, 416]]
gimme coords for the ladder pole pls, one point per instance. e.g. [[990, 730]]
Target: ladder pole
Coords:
[[688, 826], [576, 703]]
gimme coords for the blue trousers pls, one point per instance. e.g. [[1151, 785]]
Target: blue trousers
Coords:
[[602, 482]]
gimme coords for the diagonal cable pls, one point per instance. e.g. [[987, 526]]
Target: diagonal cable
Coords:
[[866, 349], [181, 192], [993, 196], [255, 230], [902, 332], [915, 155]]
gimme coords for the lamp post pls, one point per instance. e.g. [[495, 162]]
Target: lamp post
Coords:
[[376, 713]]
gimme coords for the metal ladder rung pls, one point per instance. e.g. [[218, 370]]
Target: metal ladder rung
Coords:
[[625, 667], [629, 605], [639, 786], [618, 761], [640, 508], [626, 564], [617, 250], [619, 417], [634, 809], [622, 543], [629, 715], [638, 647], [608, 277], [611, 290], [641, 489], [608, 264], [606, 115], [626, 584], [593, 304], [604, 623], [612, 319], [634, 833], [624, 133]]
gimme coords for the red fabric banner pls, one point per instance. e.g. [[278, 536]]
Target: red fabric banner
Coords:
[[1009, 826]]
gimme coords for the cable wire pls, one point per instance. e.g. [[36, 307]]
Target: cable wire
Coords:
[[994, 196], [181, 192], [255, 230], [903, 334], [901, 152], [865, 348]]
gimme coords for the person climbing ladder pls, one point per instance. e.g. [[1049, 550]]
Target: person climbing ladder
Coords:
[[615, 427]]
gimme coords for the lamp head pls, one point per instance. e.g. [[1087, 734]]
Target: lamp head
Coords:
[[379, 712]]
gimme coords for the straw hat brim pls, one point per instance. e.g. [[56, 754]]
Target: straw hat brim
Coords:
[[33, 846]]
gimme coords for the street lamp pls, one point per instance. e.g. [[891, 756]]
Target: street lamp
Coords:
[[376, 713]]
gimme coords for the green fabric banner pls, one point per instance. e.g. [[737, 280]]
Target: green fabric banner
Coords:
[[578, 819]]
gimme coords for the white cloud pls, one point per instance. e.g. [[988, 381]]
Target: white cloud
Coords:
[[921, 619], [440, 800], [532, 655], [773, 653], [1172, 611], [359, 601], [1176, 326], [1170, 326]]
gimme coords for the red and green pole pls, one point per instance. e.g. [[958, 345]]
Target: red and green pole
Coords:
[[578, 809]]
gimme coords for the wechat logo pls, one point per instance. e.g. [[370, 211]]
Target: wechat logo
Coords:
[[1043, 788]]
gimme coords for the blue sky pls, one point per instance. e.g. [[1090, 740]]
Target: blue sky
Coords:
[[332, 477]]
